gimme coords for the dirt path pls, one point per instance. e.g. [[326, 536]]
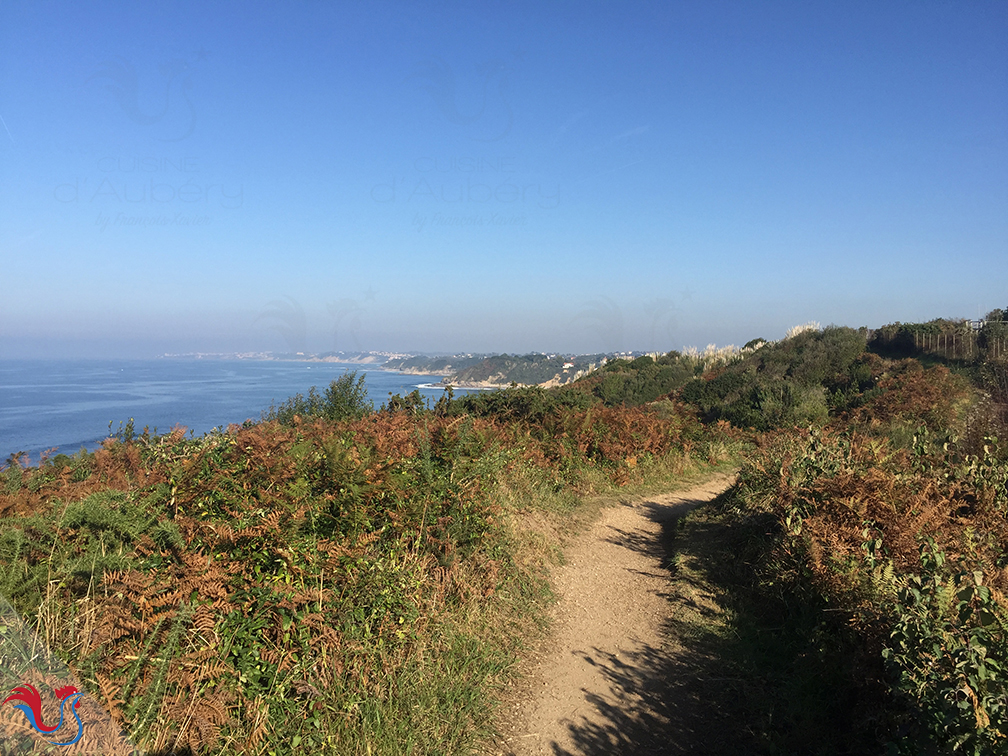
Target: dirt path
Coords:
[[599, 686]]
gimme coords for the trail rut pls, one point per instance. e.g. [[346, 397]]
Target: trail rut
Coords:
[[598, 686]]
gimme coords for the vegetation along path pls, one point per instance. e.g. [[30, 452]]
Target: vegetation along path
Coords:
[[599, 687]]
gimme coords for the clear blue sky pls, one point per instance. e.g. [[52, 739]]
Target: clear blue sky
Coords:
[[494, 176]]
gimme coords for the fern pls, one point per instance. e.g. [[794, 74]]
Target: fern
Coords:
[[145, 710]]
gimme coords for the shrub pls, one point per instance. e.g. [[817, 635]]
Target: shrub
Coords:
[[792, 382], [344, 399], [948, 655], [531, 404]]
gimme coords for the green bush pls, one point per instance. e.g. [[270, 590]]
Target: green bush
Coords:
[[793, 382], [530, 404], [344, 399], [948, 654], [413, 402], [643, 380]]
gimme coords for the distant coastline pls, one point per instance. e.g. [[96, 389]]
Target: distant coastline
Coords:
[[357, 358], [470, 387], [378, 361], [471, 371]]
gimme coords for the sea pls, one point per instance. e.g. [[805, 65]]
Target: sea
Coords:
[[61, 406]]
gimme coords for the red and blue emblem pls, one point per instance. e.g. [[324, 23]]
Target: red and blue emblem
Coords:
[[31, 706]]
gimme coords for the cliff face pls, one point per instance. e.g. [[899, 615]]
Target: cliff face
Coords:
[[423, 365], [526, 370], [500, 370], [415, 371]]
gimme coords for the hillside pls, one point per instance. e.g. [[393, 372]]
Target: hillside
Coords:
[[427, 365], [350, 580], [525, 370], [858, 566]]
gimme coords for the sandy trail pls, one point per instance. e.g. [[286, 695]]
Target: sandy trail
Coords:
[[598, 687]]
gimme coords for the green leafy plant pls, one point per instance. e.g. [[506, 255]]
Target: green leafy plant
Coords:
[[948, 653], [344, 399]]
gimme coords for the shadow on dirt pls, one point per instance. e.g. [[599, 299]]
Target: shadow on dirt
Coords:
[[744, 669]]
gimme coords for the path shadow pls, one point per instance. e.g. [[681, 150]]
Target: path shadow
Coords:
[[738, 672]]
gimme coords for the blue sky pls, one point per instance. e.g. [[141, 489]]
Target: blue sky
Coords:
[[578, 177]]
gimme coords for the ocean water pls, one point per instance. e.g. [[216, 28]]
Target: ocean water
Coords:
[[66, 405]]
